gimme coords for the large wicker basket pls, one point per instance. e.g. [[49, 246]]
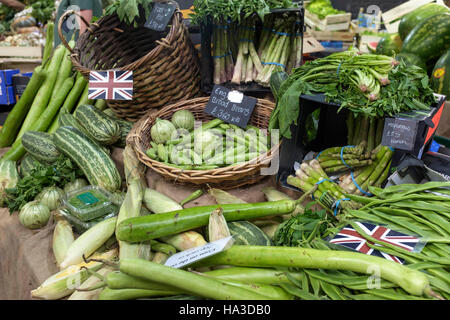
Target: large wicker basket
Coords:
[[165, 65], [225, 178]]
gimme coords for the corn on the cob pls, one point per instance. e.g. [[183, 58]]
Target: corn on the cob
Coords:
[[186, 240], [160, 257], [273, 194], [62, 239], [132, 204], [223, 197], [89, 283], [89, 242], [270, 230], [159, 203], [65, 282], [217, 226]]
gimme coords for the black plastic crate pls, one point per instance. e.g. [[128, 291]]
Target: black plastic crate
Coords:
[[207, 62]]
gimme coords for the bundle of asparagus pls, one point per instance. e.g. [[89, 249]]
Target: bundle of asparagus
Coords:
[[328, 194]]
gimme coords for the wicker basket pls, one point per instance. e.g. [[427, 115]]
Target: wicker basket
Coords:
[[165, 65], [225, 178]]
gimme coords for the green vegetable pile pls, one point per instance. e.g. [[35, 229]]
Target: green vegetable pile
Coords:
[[240, 56], [43, 10], [213, 145], [322, 8], [58, 174], [368, 84], [6, 17], [128, 10]]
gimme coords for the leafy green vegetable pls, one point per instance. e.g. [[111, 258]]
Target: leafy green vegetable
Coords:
[[322, 8], [303, 228], [43, 10], [128, 10], [368, 84], [58, 174]]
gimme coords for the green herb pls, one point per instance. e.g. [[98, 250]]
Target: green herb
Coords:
[[43, 10], [128, 10], [60, 173], [303, 228]]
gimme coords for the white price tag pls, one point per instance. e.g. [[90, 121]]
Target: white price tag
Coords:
[[190, 256]]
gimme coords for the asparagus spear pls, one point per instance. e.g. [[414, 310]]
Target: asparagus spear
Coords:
[[371, 138]]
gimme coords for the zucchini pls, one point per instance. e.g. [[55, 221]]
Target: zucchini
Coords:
[[165, 224], [247, 234], [96, 164], [20, 110], [101, 127], [41, 146], [28, 164]]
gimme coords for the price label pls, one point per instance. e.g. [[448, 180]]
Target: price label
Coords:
[[230, 106], [400, 134], [160, 16], [190, 256]]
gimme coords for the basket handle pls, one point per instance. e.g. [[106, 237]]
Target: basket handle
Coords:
[[60, 23]]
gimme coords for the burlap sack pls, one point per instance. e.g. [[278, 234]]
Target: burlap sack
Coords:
[[26, 257]]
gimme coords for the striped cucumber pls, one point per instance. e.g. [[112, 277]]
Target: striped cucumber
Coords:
[[125, 128], [246, 233], [96, 164], [102, 128], [27, 165], [68, 120], [41, 146]]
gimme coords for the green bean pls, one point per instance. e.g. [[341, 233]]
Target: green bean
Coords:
[[300, 293], [315, 284], [195, 195], [439, 245], [399, 198], [422, 205], [360, 199], [444, 261], [163, 247], [424, 265], [365, 296], [415, 217], [437, 250], [331, 291], [435, 218], [392, 295]]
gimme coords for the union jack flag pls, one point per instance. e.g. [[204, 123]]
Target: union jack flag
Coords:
[[350, 238], [111, 85]]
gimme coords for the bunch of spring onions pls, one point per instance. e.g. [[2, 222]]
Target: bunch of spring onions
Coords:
[[241, 53]]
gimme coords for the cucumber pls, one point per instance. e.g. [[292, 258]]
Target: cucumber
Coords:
[[125, 128], [68, 120], [101, 127], [430, 39], [27, 165], [247, 234], [41, 146], [96, 164]]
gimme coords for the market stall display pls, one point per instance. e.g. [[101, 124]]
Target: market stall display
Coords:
[[169, 196]]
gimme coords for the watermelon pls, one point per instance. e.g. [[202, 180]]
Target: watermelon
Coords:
[[430, 39], [411, 59], [412, 19], [440, 78], [372, 46], [389, 45]]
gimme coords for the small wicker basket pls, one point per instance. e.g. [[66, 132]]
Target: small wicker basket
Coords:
[[165, 65], [225, 178]]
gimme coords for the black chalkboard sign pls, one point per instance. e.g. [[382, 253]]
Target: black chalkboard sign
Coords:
[[230, 106], [400, 134], [160, 16]]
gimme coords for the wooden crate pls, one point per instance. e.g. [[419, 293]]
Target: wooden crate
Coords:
[[23, 58], [335, 22], [344, 36], [311, 45], [392, 17]]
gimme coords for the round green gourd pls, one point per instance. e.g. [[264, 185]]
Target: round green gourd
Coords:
[[162, 131], [246, 233], [183, 119]]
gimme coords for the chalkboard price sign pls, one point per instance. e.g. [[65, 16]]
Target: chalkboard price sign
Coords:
[[400, 134], [230, 106], [160, 16]]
